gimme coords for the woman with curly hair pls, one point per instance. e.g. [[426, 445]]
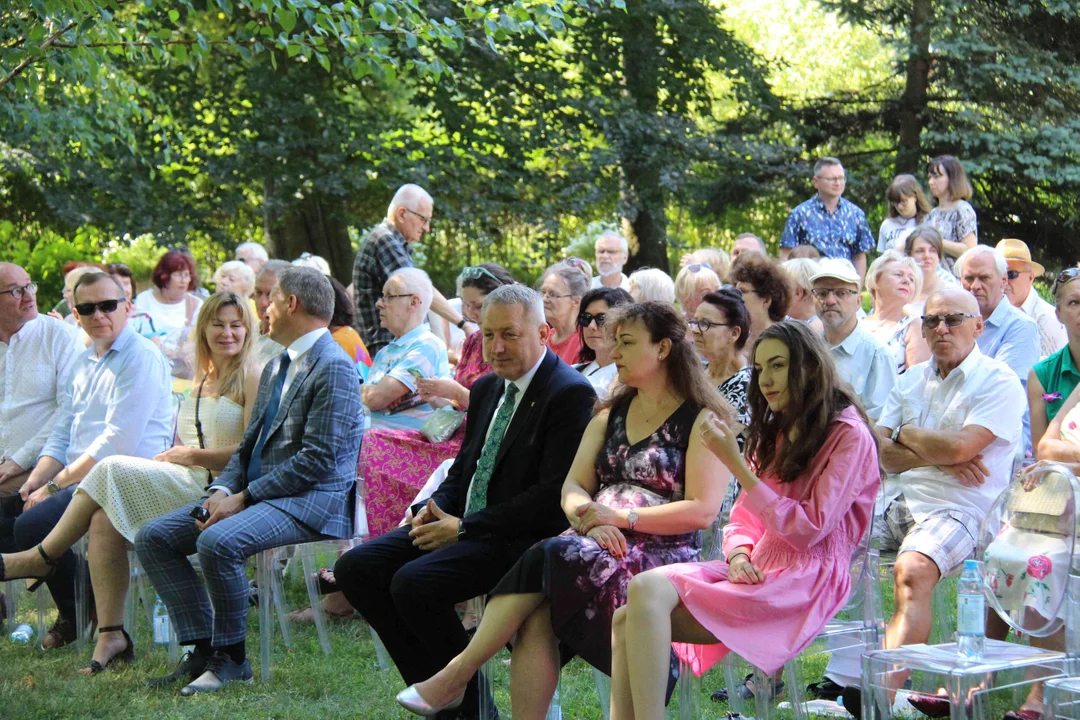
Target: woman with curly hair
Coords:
[[766, 290]]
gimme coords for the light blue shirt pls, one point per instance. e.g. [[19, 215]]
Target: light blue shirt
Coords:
[[118, 404], [419, 351], [1013, 338], [868, 367]]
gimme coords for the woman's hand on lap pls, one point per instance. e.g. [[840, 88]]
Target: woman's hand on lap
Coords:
[[610, 538], [741, 571]]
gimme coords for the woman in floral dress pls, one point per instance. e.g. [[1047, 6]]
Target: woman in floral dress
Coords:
[[641, 489]]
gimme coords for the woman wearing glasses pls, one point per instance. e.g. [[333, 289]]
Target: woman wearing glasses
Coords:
[[121, 494], [595, 361], [563, 285], [1054, 378]]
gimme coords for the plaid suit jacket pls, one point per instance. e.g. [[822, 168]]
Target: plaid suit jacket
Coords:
[[309, 458]]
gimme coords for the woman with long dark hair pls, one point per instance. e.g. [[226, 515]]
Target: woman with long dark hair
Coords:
[[641, 488], [809, 479], [594, 360]]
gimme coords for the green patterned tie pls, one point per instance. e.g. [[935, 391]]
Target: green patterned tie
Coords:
[[486, 464]]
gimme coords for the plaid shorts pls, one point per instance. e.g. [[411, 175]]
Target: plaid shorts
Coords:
[[947, 536]]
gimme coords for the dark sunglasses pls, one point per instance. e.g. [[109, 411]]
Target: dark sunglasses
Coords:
[[1065, 277], [585, 319], [1012, 274], [953, 320], [475, 273], [105, 306]]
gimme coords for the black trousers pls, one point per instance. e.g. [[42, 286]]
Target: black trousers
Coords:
[[408, 595], [30, 528]]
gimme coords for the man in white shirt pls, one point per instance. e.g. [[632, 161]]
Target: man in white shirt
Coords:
[[612, 252], [861, 360], [36, 354], [949, 433], [1019, 291]]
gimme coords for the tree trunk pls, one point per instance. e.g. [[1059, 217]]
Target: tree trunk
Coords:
[[913, 103], [643, 196], [316, 226]]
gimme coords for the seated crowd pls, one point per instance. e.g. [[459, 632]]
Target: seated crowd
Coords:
[[557, 450]]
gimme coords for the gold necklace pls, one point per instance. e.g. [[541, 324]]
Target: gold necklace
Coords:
[[649, 418]]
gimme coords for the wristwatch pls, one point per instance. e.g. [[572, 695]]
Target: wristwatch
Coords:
[[460, 529], [52, 487], [896, 433], [461, 325], [631, 520]]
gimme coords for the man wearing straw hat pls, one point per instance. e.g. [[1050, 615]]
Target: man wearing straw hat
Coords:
[[1019, 291]]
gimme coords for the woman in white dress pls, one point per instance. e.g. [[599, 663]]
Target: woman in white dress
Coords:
[[172, 307], [595, 361], [122, 493]]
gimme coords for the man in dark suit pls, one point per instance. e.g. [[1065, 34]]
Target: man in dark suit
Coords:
[[288, 482], [500, 496]]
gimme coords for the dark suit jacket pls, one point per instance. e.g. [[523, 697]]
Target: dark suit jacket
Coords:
[[309, 459], [534, 457]]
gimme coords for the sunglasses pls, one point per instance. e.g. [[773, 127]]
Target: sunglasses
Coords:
[[953, 320], [1065, 277], [475, 273], [1012, 274], [586, 319], [575, 262], [696, 267], [105, 306], [705, 325]]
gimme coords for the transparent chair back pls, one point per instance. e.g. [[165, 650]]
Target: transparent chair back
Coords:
[[1026, 545]]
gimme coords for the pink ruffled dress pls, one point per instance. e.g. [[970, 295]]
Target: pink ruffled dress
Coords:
[[802, 535], [395, 464]]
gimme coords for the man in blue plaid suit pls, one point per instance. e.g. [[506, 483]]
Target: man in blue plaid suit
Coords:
[[289, 481]]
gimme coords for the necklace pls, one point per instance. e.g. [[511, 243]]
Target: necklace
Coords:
[[656, 411]]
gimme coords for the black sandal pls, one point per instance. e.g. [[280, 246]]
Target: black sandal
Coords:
[[744, 692], [127, 655], [40, 579]]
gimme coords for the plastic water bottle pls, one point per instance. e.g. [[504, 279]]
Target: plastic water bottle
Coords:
[[23, 634], [161, 623], [970, 614]]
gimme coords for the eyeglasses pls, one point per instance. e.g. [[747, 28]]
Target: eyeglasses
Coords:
[[424, 218], [554, 296], [585, 319], [18, 292], [840, 293], [1012, 274], [697, 267], [475, 273], [835, 180], [703, 325], [105, 306], [952, 320], [390, 296], [1065, 277]]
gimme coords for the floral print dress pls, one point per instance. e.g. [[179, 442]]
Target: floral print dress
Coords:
[[584, 583]]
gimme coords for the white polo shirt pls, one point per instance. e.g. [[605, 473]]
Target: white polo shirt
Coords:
[[980, 391]]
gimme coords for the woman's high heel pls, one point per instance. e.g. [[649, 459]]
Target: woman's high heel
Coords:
[[40, 579], [127, 655]]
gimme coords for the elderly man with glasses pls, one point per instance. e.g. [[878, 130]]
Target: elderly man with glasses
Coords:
[[388, 247], [835, 226], [117, 402]]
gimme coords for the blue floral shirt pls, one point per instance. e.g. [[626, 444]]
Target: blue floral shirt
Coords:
[[842, 234]]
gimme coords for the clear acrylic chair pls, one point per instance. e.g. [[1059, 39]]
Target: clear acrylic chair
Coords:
[[1062, 698], [82, 600], [858, 626], [1029, 578]]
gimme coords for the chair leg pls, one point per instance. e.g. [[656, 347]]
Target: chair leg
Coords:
[[689, 692], [793, 681], [82, 596], [381, 654], [266, 628], [487, 672], [42, 607], [277, 595], [603, 692], [307, 563], [555, 708]]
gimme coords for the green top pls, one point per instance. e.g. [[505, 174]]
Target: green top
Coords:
[[1059, 377]]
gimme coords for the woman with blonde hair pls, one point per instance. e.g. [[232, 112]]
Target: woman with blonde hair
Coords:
[[652, 285], [693, 283], [799, 271], [894, 282], [121, 493]]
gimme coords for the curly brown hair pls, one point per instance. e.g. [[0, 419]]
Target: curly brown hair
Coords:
[[767, 279], [684, 368], [816, 395]]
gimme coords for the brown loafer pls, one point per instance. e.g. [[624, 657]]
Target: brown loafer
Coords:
[[63, 632]]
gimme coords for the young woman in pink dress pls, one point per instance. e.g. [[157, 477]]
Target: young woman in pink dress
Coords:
[[809, 481]]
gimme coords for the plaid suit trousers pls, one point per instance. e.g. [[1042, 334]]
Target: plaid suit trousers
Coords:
[[164, 543]]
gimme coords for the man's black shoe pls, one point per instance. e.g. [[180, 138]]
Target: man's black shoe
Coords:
[[189, 668]]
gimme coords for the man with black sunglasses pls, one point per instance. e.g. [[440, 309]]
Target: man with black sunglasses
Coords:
[[117, 402], [1019, 279]]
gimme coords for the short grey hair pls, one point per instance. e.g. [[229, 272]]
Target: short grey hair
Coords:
[[311, 288], [652, 284], [1000, 263], [892, 255], [408, 196], [825, 162], [93, 278], [416, 281], [611, 234], [800, 270], [273, 267], [246, 273], [254, 247], [517, 294]]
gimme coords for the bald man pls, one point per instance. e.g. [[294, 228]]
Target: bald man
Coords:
[[949, 433], [36, 354]]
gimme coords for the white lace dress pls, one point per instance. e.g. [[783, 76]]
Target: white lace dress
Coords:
[[133, 491]]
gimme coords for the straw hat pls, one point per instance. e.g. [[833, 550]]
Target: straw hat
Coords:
[[1017, 251]]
